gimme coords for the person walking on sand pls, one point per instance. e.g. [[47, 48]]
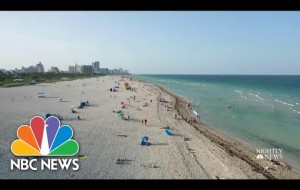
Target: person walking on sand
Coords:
[[145, 121]]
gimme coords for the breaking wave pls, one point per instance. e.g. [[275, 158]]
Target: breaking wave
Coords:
[[284, 103]]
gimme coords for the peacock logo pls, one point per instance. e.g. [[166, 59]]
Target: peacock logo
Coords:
[[44, 138]]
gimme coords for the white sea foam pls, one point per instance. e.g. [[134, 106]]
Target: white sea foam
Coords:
[[238, 91], [284, 103], [196, 84], [257, 100], [244, 97], [297, 103], [257, 96], [296, 111]]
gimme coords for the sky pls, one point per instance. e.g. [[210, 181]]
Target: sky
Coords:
[[154, 42]]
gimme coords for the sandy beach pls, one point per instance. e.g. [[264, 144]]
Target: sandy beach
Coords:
[[110, 144]]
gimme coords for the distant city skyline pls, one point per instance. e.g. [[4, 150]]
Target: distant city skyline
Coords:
[[154, 42], [93, 68]]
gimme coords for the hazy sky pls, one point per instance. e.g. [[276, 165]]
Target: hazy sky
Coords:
[[154, 42]]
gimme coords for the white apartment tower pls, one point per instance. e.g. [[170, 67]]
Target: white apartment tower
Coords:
[[39, 67]]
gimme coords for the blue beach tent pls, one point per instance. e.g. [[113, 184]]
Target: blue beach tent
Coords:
[[144, 141], [168, 132]]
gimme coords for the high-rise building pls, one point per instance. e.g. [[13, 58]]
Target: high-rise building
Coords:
[[115, 71], [104, 71], [71, 69], [77, 68], [31, 69], [23, 69], [86, 69], [39, 67], [54, 70], [96, 66]]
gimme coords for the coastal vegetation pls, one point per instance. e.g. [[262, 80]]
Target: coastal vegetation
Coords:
[[12, 79]]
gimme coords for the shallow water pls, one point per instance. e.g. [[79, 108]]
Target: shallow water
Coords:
[[266, 111]]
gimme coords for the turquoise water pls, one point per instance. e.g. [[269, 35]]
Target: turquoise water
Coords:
[[266, 110]]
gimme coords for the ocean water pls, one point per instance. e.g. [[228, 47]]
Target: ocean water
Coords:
[[266, 111]]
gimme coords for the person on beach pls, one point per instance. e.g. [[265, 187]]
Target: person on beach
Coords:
[[78, 118], [145, 121]]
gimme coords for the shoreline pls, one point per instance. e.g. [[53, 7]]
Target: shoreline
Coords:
[[111, 144], [234, 147]]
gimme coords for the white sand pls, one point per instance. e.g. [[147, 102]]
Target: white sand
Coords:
[[97, 134]]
